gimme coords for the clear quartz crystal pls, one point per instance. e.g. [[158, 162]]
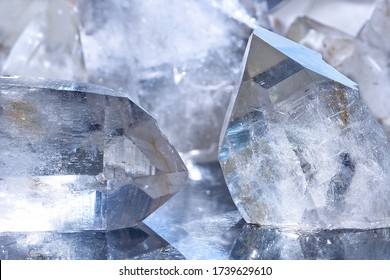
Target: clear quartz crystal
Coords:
[[270, 243], [364, 57], [299, 147], [130, 243], [49, 46], [75, 156], [179, 59]]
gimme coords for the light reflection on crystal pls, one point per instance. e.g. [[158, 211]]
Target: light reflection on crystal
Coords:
[[268, 243], [185, 86], [299, 147], [129, 243], [363, 57], [88, 161], [201, 229]]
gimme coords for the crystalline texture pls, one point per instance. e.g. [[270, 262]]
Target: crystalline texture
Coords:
[[184, 58], [49, 46], [74, 156], [363, 58], [299, 147]]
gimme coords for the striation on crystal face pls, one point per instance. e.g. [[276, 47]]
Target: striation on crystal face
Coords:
[[299, 147], [75, 156]]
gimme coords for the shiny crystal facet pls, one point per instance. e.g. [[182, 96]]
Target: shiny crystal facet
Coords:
[[179, 62], [269, 243], [299, 147], [364, 57], [130, 243], [74, 156]]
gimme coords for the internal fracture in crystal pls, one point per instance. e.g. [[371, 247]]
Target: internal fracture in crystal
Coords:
[[185, 85], [75, 156], [363, 57], [299, 147]]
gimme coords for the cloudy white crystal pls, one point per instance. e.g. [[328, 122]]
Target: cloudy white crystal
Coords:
[[299, 147]]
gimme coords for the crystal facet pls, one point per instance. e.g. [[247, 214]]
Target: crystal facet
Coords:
[[184, 85], [130, 243], [75, 156], [299, 147], [364, 57], [269, 243]]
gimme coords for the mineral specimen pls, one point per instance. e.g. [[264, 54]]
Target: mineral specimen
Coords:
[[266, 243], [130, 243], [364, 57], [74, 156], [179, 58], [49, 46], [299, 147]]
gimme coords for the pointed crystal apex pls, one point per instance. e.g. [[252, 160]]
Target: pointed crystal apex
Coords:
[[299, 147], [74, 156]]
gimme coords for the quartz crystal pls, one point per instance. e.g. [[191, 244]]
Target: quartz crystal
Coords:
[[178, 59], [299, 147], [364, 57], [347, 15], [270, 243], [74, 156], [129, 243], [49, 46]]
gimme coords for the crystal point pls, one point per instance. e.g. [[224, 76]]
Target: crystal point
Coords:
[[74, 156], [299, 147]]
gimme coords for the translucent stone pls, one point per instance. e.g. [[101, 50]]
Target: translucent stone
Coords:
[[180, 62], [49, 46], [270, 243], [75, 156], [130, 243], [299, 148], [364, 57], [348, 16], [14, 17], [207, 212]]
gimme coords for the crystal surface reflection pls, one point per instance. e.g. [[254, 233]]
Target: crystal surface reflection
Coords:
[[74, 156], [198, 220], [299, 147], [130, 243], [269, 243]]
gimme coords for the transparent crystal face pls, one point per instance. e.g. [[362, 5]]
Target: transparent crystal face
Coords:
[[74, 157], [299, 147]]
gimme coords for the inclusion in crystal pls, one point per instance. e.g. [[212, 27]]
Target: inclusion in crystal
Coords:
[[152, 57], [74, 156], [299, 147], [364, 57]]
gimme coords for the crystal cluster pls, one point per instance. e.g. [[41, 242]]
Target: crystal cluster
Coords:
[[142, 49], [299, 147], [362, 56], [75, 156], [179, 59]]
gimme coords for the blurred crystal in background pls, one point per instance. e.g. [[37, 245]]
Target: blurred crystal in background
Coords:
[[180, 61]]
